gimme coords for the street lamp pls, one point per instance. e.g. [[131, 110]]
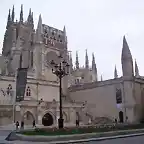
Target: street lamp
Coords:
[[60, 70]]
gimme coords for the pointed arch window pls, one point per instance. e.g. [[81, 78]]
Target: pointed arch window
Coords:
[[118, 96], [28, 91]]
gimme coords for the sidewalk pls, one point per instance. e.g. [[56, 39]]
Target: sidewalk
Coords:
[[12, 127]]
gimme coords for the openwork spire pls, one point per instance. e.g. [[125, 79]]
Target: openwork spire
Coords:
[[21, 14], [8, 19], [77, 60], [13, 14], [86, 60], [93, 63], [29, 16]]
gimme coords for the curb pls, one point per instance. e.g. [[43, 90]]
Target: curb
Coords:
[[96, 139], [74, 139]]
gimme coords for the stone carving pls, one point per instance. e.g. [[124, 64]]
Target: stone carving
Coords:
[[47, 105]]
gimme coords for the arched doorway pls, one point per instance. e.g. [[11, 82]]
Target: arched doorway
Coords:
[[47, 120], [28, 118], [121, 117]]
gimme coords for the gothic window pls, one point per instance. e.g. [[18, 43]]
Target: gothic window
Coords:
[[28, 91], [118, 96], [9, 88]]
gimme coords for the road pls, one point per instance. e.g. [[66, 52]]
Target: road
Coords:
[[3, 134], [129, 140]]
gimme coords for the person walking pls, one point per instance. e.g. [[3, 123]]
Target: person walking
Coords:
[[22, 125], [34, 125], [17, 125]]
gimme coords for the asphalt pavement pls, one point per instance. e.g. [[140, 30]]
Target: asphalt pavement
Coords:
[[128, 140], [3, 135]]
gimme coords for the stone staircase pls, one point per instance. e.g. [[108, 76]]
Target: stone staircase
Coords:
[[102, 120]]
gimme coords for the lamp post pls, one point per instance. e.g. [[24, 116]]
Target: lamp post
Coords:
[[60, 70]]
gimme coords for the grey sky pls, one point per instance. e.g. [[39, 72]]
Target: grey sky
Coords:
[[96, 25]]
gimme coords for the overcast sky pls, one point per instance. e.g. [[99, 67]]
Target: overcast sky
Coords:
[[96, 25]]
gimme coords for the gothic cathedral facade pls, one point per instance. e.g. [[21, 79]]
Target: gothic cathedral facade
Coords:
[[84, 96]]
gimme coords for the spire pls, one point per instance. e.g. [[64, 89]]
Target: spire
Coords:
[[32, 18], [29, 16], [21, 14], [126, 59], [125, 50], [86, 60], [77, 61], [39, 30], [136, 69], [93, 63], [13, 14], [8, 20], [64, 30], [115, 73], [94, 68]]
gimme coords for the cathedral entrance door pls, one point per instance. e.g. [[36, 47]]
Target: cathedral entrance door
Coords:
[[47, 120], [121, 117], [28, 118]]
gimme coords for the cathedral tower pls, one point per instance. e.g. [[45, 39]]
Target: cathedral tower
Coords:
[[18, 39]]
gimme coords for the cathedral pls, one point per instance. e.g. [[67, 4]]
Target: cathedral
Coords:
[[84, 97]]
